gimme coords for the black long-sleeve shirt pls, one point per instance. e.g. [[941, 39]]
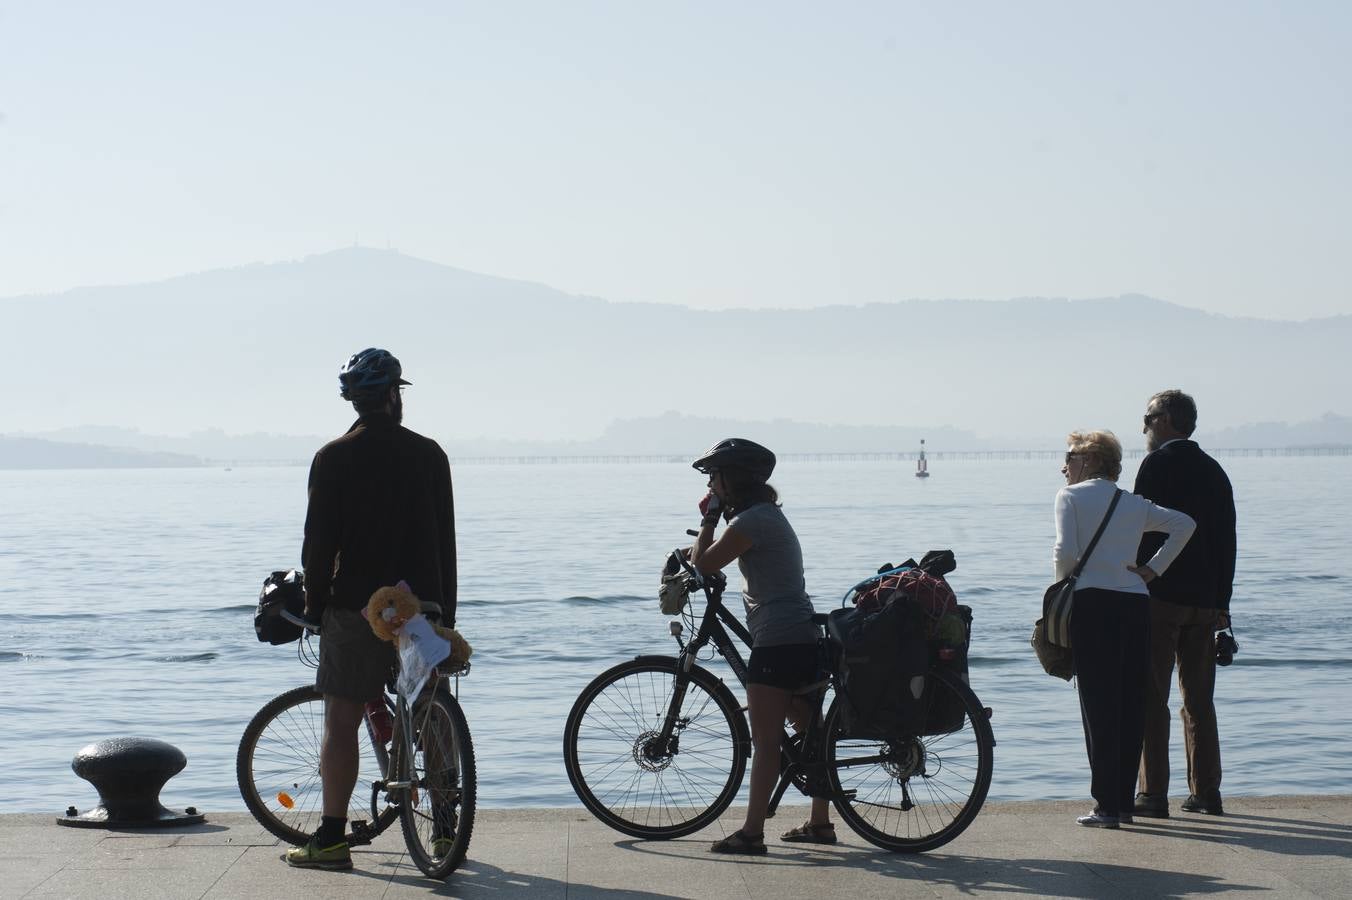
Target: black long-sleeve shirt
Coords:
[[1181, 476], [381, 510]]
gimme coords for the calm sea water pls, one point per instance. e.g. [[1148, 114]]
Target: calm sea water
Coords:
[[126, 602]]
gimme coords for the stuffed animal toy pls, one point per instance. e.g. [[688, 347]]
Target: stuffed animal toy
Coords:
[[390, 607]]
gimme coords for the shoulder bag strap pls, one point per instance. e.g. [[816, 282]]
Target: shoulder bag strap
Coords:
[[1084, 557]]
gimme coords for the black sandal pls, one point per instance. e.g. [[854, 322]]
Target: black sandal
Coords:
[[740, 842], [807, 833]]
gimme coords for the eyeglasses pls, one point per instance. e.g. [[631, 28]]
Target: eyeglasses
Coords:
[[1070, 456], [1150, 417]]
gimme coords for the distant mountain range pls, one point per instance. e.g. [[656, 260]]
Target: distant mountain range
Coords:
[[33, 453], [254, 352], [671, 434]]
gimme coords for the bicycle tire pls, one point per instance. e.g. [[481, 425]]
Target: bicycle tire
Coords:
[[445, 779], [278, 758], [603, 749], [950, 772]]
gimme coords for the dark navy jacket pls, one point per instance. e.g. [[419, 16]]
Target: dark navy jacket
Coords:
[[380, 511], [1182, 477]]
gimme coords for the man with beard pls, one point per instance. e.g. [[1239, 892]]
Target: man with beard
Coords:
[[1188, 605], [380, 511]]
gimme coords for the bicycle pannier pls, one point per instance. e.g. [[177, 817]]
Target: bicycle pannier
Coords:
[[281, 590], [884, 661], [906, 623], [944, 710]]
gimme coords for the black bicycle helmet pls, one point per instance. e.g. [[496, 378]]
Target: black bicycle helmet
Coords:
[[368, 372], [737, 453]]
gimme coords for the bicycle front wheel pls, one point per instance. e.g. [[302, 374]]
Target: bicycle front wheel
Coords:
[[438, 810], [912, 793], [632, 779], [277, 767]]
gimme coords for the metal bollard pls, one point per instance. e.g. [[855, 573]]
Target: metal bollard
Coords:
[[128, 773]]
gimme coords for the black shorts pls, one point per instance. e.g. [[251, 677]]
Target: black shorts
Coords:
[[787, 666]]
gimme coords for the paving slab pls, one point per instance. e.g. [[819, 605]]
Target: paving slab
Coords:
[[1281, 847]]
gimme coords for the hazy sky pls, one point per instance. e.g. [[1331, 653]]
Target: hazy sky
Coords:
[[708, 154]]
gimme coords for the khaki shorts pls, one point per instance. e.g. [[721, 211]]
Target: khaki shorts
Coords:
[[353, 662]]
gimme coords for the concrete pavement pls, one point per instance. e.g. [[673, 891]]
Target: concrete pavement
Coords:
[[1274, 847]]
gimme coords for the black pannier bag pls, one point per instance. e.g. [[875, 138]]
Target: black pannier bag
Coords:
[[886, 654], [944, 709], [281, 590], [884, 660]]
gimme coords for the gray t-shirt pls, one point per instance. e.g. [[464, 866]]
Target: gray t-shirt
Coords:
[[778, 610]]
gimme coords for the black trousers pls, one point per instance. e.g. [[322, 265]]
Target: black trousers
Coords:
[[1110, 640]]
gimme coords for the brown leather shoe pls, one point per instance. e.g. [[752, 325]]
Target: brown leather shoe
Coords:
[[1150, 807], [1211, 804]]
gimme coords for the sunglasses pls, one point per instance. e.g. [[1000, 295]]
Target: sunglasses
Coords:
[[1150, 417], [1070, 456]]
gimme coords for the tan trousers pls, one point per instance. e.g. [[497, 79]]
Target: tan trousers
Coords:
[[1188, 635]]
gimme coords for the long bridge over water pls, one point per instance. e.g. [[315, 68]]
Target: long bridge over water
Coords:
[[829, 456], [879, 456]]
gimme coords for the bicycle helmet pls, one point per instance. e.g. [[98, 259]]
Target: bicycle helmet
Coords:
[[368, 372], [737, 453]]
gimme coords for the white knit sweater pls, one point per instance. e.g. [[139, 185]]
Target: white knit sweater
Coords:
[[1079, 510]]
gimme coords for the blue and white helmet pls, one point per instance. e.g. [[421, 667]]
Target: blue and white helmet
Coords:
[[369, 372]]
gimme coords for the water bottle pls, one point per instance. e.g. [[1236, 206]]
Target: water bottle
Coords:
[[378, 717]]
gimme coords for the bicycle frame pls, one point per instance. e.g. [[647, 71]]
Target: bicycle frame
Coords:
[[402, 712], [404, 731], [656, 746], [798, 760]]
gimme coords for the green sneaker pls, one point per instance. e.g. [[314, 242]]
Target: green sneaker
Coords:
[[312, 856]]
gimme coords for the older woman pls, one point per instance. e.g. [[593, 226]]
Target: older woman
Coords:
[[1110, 625]]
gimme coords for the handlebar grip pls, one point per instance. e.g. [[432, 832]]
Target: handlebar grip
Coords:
[[692, 532]]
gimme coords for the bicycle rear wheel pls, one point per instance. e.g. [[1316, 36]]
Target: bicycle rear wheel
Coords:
[[913, 793], [277, 767], [622, 773], [438, 812]]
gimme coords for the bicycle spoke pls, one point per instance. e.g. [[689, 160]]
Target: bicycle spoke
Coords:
[[626, 770], [914, 793]]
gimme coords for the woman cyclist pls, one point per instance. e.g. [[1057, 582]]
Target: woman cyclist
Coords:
[[778, 614]]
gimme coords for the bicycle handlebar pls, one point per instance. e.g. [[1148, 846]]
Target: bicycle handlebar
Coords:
[[712, 581], [428, 609], [307, 624]]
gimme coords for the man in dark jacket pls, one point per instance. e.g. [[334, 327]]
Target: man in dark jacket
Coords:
[[380, 511], [1188, 605]]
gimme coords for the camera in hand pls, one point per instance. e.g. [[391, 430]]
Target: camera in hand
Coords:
[[1226, 648]]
